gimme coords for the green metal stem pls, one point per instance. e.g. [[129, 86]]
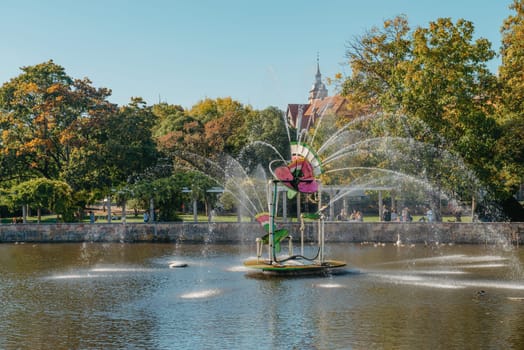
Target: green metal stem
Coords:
[[272, 220]]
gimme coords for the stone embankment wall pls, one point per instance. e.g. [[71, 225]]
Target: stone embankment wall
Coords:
[[246, 233]]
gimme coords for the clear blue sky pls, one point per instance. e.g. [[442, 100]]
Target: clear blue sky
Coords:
[[261, 53]]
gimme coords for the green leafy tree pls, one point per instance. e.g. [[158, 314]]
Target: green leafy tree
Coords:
[[448, 81], [437, 78], [223, 120], [510, 109], [112, 148], [379, 61], [168, 196], [32, 119], [39, 110], [202, 135], [266, 136], [42, 193], [43, 113], [200, 183], [210, 109], [182, 134], [436, 74], [449, 88], [512, 54], [170, 118]]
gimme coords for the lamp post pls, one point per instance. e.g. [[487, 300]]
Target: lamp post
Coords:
[[109, 204], [151, 209]]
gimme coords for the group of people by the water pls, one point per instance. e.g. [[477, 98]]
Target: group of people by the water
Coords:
[[356, 215], [17, 220], [387, 215], [393, 215], [405, 215]]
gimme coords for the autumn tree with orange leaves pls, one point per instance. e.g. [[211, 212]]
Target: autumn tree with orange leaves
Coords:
[[58, 128]]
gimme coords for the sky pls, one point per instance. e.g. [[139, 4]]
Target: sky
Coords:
[[260, 53]]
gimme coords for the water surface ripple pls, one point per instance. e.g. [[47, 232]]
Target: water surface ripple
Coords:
[[126, 296]]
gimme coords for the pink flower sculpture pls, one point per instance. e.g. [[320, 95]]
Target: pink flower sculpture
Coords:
[[300, 174]]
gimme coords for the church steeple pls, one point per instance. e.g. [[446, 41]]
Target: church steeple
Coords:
[[318, 90]]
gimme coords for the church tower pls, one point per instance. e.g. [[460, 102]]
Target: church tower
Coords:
[[318, 90], [304, 115]]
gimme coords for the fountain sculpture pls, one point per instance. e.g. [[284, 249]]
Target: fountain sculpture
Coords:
[[348, 158], [300, 175]]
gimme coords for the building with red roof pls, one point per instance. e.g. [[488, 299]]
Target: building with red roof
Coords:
[[304, 115]]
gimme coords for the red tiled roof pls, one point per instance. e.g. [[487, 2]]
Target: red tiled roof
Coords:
[[332, 103], [311, 112], [293, 112]]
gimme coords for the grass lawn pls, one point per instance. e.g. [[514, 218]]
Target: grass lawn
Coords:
[[201, 218]]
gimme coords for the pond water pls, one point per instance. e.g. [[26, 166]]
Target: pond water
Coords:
[[125, 296]]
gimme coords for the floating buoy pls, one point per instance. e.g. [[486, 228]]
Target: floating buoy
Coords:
[[177, 264], [516, 298]]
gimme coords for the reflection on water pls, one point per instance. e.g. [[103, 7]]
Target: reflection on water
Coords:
[[121, 296]]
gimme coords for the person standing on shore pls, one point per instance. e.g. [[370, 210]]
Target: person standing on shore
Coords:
[[386, 214], [429, 215]]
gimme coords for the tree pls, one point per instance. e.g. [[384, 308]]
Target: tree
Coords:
[[210, 109], [43, 193], [181, 134], [167, 192], [169, 118], [39, 111], [223, 120], [32, 119], [510, 108], [436, 74], [437, 77], [112, 147], [512, 54], [378, 61], [448, 81], [266, 136], [209, 128], [43, 112]]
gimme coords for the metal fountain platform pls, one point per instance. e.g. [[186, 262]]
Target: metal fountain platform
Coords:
[[295, 268]]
